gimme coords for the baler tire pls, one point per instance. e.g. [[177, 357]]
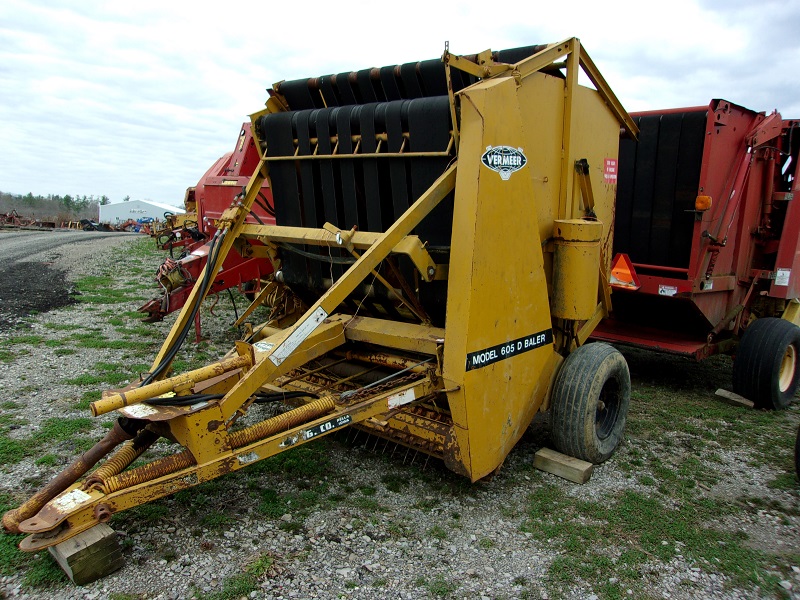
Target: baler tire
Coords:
[[590, 403], [765, 369]]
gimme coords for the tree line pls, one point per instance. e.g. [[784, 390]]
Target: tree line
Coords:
[[54, 207]]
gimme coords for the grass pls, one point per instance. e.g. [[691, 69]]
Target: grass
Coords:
[[241, 584], [96, 289], [40, 570], [29, 340], [52, 430]]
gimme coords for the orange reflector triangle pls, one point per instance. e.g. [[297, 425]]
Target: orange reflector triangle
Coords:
[[623, 275]]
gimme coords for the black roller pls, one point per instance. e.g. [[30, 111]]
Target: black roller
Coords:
[[298, 94], [515, 55]]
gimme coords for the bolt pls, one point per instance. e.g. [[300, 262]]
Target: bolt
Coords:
[[431, 272]]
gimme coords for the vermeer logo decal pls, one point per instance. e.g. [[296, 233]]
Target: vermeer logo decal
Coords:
[[504, 159]]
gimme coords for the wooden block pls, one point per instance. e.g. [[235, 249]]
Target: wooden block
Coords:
[[733, 399], [562, 465], [90, 555]]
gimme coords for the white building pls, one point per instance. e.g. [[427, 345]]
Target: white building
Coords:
[[119, 212]]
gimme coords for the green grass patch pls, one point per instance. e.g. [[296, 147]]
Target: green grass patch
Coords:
[[86, 399], [303, 461], [30, 340], [47, 460], [216, 521], [645, 527], [39, 570], [241, 584], [62, 326]]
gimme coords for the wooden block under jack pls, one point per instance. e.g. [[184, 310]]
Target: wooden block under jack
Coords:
[[733, 399], [573, 469], [90, 555]]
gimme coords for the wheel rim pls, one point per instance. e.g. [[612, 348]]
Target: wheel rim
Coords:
[[788, 368], [607, 410]]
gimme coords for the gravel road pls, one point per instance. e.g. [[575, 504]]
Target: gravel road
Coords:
[[29, 281], [351, 518]]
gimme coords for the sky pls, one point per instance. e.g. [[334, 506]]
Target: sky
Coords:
[[139, 98]]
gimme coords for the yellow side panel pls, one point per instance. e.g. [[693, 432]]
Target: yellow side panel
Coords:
[[498, 346], [595, 137]]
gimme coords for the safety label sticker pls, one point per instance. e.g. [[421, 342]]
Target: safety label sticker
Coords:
[[504, 159], [263, 346], [667, 290], [401, 398], [610, 170], [71, 500], [782, 276], [298, 336], [328, 426], [487, 356]]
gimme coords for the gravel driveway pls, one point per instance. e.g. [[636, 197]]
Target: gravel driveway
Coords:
[[700, 501]]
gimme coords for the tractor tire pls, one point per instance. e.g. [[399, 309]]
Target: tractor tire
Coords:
[[590, 403], [765, 369], [249, 290]]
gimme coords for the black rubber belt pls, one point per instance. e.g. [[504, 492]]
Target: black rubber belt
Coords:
[[326, 85], [408, 72], [371, 91], [398, 173], [276, 129], [344, 130], [327, 179], [346, 92], [372, 195], [429, 131], [390, 85], [312, 203], [434, 80]]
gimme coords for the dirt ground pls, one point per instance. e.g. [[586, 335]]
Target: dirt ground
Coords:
[[29, 283]]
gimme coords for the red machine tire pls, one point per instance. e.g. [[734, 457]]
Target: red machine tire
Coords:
[[590, 403], [797, 454], [765, 369]]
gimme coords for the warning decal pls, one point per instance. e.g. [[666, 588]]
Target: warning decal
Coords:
[[482, 358], [610, 170]]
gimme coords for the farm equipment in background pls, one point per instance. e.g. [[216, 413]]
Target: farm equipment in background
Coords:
[[191, 232], [707, 236], [441, 248]]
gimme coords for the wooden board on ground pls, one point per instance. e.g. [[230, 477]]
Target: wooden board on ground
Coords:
[[733, 399], [562, 465], [90, 555]]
